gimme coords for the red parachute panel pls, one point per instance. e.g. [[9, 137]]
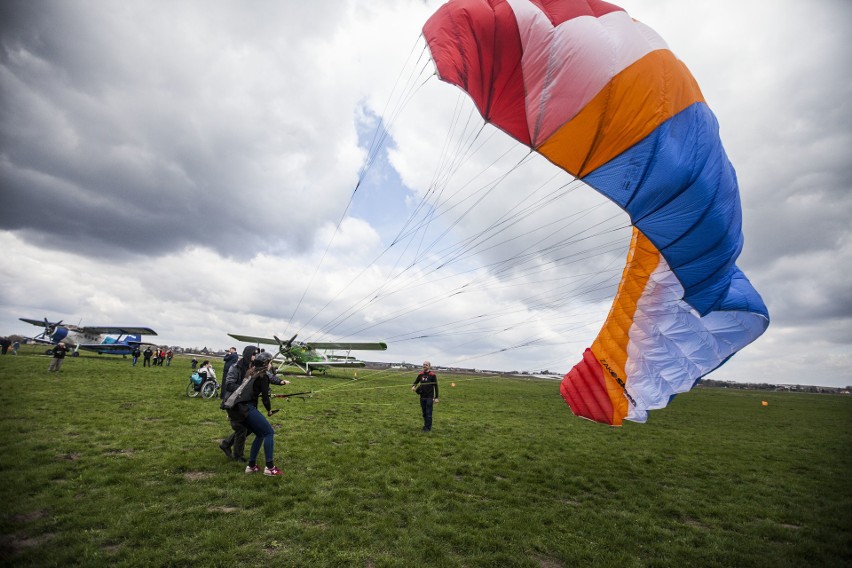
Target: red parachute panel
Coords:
[[584, 389]]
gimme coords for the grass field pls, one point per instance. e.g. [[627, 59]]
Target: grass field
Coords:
[[104, 464]]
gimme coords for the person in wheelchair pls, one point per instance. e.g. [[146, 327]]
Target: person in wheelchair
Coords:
[[206, 372]]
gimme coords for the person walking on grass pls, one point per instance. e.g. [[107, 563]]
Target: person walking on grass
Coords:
[[234, 444], [59, 352], [245, 399], [426, 385]]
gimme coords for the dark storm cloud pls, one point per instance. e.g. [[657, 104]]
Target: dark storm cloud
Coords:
[[124, 131]]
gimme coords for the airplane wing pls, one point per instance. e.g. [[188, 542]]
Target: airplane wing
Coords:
[[118, 330], [39, 323], [348, 346], [253, 339]]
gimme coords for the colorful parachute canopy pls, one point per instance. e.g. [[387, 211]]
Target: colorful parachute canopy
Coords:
[[601, 96]]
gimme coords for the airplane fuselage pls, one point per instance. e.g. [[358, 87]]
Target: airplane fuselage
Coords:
[[73, 338]]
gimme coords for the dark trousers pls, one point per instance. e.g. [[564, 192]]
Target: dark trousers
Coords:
[[426, 406], [237, 439]]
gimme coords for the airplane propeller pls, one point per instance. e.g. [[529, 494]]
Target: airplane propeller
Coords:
[[49, 328], [284, 347]]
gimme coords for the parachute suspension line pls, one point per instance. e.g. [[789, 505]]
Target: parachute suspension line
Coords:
[[377, 141], [440, 180], [484, 192], [451, 161], [433, 300], [483, 316], [376, 293], [461, 289], [376, 144], [468, 247], [506, 261], [420, 225], [438, 204]]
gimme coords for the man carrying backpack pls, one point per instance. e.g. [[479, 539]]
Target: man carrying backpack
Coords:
[[244, 400], [236, 416]]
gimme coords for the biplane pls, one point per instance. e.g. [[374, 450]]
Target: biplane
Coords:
[[91, 338], [313, 356]]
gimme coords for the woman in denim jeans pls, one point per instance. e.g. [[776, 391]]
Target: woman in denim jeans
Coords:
[[255, 422]]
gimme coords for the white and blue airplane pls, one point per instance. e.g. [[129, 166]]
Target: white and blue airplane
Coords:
[[91, 338]]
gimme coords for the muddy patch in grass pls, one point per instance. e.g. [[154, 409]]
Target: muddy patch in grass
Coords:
[[29, 517], [224, 509], [198, 475]]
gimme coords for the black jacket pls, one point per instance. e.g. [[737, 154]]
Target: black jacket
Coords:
[[428, 384], [233, 378], [259, 390]]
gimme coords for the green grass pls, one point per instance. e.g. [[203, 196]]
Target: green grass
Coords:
[[108, 465]]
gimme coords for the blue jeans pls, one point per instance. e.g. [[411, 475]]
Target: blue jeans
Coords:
[[263, 434]]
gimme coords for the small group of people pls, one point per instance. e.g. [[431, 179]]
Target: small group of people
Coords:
[[247, 381], [6, 343], [153, 357]]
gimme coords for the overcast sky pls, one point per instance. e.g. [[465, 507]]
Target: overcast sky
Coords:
[[192, 167]]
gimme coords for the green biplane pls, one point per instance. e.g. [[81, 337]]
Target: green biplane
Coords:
[[306, 356]]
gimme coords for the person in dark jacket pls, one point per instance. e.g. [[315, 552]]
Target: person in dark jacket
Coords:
[[254, 421], [229, 360], [233, 378], [426, 385], [234, 444], [58, 357]]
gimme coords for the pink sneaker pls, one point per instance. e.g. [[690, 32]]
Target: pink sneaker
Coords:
[[272, 471], [252, 469]]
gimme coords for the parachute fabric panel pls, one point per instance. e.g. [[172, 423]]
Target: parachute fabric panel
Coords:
[[491, 77], [601, 96], [588, 391]]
